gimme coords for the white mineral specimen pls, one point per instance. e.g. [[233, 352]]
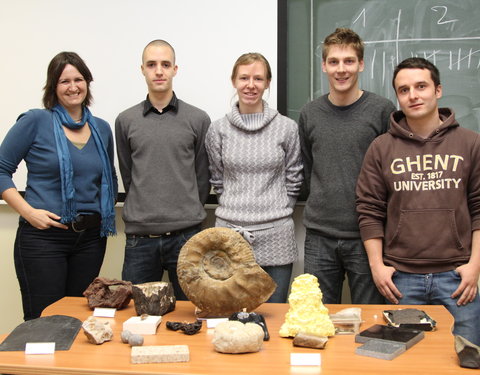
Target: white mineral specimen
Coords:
[[97, 332], [237, 337], [160, 354]]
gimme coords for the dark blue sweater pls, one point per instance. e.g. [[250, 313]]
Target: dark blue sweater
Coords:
[[33, 140]]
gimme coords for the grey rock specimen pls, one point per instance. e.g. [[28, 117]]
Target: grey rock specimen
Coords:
[[125, 335], [310, 341], [410, 318], [407, 316], [155, 298], [135, 340], [101, 294], [381, 349], [130, 338], [97, 332], [468, 353]]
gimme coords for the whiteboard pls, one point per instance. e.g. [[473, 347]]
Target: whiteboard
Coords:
[[110, 35]]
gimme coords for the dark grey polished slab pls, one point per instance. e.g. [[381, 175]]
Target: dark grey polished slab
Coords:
[[406, 336], [60, 329]]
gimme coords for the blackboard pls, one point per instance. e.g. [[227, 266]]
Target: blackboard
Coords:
[[445, 32]]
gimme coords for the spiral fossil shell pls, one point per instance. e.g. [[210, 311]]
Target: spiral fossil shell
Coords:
[[218, 273]]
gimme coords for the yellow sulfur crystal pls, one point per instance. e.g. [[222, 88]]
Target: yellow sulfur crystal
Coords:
[[306, 313]]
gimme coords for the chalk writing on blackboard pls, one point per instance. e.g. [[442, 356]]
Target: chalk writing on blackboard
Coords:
[[446, 32], [390, 52]]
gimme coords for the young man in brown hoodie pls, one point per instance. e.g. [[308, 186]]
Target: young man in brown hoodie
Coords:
[[419, 202]]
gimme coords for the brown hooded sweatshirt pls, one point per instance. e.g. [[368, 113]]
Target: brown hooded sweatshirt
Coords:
[[422, 196]]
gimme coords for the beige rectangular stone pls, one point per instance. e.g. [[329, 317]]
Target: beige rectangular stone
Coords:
[[160, 354]]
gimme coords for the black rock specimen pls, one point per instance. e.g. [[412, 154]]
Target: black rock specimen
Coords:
[[187, 328]]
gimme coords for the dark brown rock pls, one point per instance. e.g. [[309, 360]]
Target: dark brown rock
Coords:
[[111, 293], [155, 298]]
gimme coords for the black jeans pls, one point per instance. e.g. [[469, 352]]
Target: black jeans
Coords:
[[54, 263]]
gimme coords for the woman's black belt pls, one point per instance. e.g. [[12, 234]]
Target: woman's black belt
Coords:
[[83, 222]]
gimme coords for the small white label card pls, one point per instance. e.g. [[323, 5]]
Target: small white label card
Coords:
[[305, 359], [212, 323], [40, 348], [104, 312]]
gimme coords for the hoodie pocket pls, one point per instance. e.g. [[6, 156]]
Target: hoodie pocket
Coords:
[[426, 234]]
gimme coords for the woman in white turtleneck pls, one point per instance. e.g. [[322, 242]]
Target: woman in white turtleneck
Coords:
[[256, 171]]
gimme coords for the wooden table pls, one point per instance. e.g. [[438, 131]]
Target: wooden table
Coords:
[[435, 354]]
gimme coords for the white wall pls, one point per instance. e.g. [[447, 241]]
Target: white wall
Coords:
[[110, 35]]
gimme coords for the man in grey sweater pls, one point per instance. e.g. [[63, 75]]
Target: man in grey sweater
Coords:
[[164, 168], [335, 132]]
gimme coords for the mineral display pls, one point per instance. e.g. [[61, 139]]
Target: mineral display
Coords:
[[154, 298], [236, 337], [160, 354], [135, 340], [307, 313], [218, 273], [245, 317], [468, 353], [187, 328], [111, 293], [310, 341], [97, 332]]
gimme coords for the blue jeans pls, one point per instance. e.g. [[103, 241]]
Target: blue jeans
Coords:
[[54, 263], [147, 258], [281, 275], [436, 289], [330, 258]]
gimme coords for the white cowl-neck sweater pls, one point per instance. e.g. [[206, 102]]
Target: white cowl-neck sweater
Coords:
[[256, 172]]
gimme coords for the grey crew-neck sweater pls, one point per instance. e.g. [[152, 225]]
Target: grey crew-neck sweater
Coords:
[[164, 168], [334, 142]]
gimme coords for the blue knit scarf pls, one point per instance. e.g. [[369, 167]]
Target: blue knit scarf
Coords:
[[69, 210]]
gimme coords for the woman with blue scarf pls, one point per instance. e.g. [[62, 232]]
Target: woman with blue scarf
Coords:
[[68, 208]]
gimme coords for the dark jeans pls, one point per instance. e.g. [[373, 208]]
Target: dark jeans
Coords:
[[281, 275], [147, 258], [54, 263], [330, 258]]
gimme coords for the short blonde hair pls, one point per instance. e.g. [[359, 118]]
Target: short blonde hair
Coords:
[[250, 58]]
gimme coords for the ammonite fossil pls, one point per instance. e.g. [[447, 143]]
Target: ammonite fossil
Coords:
[[218, 273]]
